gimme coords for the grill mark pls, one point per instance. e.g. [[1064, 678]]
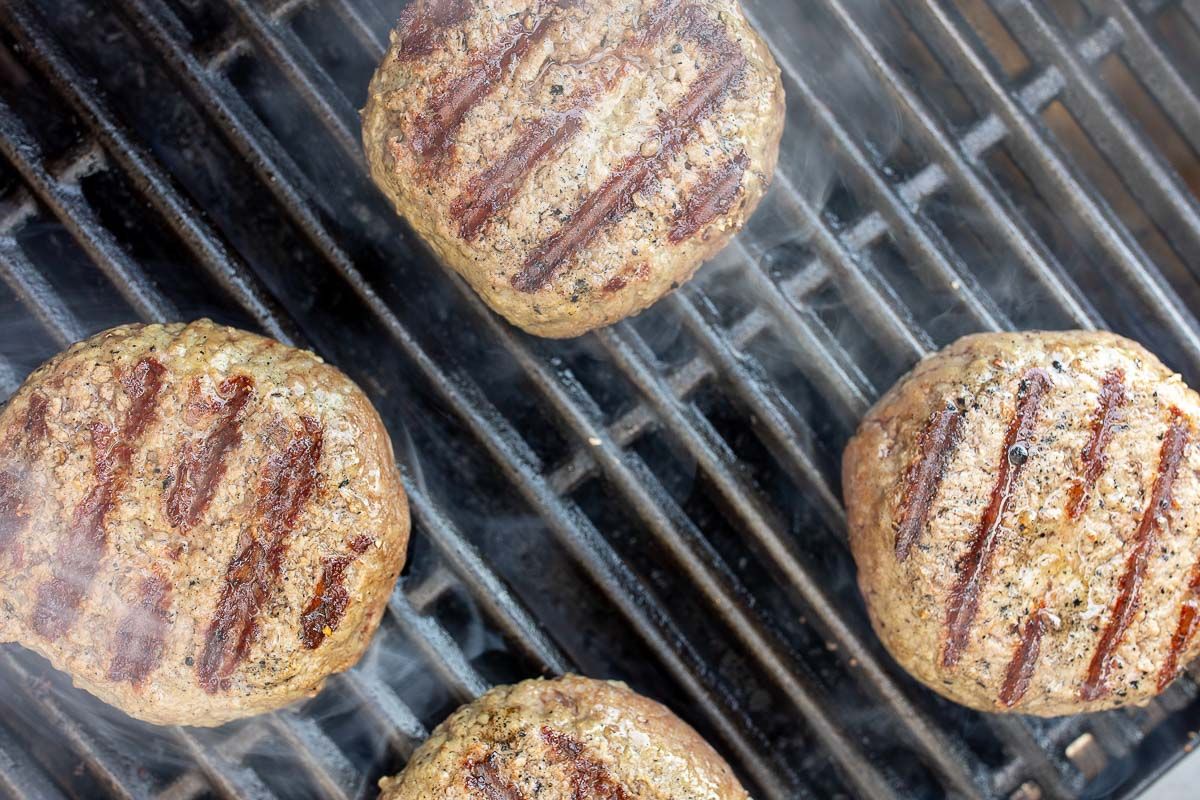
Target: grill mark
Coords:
[[138, 644], [935, 446], [288, 483], [447, 110], [1174, 447], [423, 22], [493, 190], [33, 429], [614, 198], [20, 448], [975, 565], [485, 780], [1184, 630], [325, 610], [590, 780], [1095, 456], [201, 464], [654, 23], [14, 511], [81, 549], [1025, 657], [711, 198]]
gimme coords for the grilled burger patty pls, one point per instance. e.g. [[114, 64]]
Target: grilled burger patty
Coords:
[[574, 161], [560, 740], [1022, 513], [196, 523]]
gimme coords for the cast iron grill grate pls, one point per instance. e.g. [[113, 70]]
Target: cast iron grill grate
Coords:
[[656, 502]]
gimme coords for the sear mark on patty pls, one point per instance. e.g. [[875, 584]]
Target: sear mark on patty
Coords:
[[710, 199], [614, 198], [493, 190], [138, 643], [201, 464], [80, 551], [935, 448], [1158, 509], [1095, 453], [433, 129], [1189, 617], [1025, 657], [975, 565], [485, 780], [289, 481], [325, 610], [590, 779], [18, 451], [422, 23]]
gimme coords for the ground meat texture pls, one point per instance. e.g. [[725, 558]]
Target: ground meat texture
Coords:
[[1043, 557], [574, 161], [170, 499], [564, 739]]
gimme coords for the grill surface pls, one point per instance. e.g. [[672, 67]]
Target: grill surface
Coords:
[[657, 502]]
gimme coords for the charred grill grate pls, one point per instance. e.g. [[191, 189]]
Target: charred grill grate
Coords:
[[658, 501]]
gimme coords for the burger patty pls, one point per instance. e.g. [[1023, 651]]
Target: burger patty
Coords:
[[196, 523], [564, 739], [1021, 513], [574, 161]]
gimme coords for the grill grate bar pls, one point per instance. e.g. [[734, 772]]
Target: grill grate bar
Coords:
[[913, 239], [443, 653], [311, 82], [323, 760], [180, 215], [231, 117], [69, 208], [117, 776], [1148, 178], [18, 777], [640, 490], [488, 588], [789, 431], [1175, 97], [981, 189], [402, 730], [37, 295], [1038, 156], [9, 381], [226, 774]]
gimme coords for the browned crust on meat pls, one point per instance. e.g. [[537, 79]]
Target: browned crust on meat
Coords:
[[614, 199], [974, 567], [423, 23], [1094, 458], [1075, 610], [80, 551], [924, 475], [610, 138], [561, 740], [137, 647], [1185, 629], [148, 590], [202, 461], [325, 610], [1129, 589], [1025, 657], [290, 480]]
